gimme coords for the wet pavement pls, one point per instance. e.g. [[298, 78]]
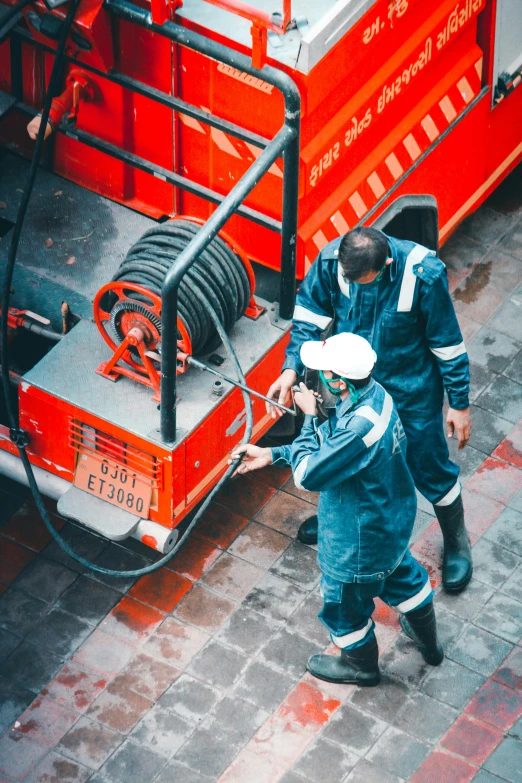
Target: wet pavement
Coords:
[[197, 672]]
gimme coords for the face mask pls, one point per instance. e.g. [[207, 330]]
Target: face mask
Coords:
[[351, 388]]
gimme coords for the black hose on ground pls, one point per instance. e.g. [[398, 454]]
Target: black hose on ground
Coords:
[[203, 305]]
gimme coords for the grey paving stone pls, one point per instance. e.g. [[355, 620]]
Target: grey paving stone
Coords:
[[299, 564], [487, 226], [60, 632], [162, 731], [468, 603], [353, 729], [422, 521], [516, 729], [117, 558], [516, 501], [449, 626], [8, 642], [45, 580], [480, 377], [508, 317], [275, 597], [452, 683], [189, 698], [514, 369], [492, 564], [133, 763], [306, 622], [488, 429], [403, 661], [502, 616], [479, 650], [511, 242], [486, 777], [238, 720], [385, 701], [326, 761], [207, 753], [503, 396], [246, 630], [89, 600], [81, 541], [468, 460], [506, 530], [264, 686], [174, 772], [506, 760], [398, 752], [89, 743], [14, 699], [491, 348], [292, 777], [31, 666], [513, 584], [461, 252], [425, 718], [366, 772], [289, 651], [219, 665], [20, 612]]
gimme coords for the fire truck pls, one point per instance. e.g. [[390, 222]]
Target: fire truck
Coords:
[[197, 157]]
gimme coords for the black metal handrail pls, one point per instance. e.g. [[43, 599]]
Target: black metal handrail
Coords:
[[285, 142]]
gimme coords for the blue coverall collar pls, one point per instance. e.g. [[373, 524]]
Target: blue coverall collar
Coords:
[[393, 250], [343, 406]]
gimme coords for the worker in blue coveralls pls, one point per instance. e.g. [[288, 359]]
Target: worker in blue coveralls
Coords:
[[357, 462], [395, 294]]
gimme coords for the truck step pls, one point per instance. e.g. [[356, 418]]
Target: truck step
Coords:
[[96, 514]]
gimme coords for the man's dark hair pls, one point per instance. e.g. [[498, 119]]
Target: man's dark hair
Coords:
[[361, 251]]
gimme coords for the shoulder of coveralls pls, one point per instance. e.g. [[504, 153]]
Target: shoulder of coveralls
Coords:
[[430, 268], [330, 251], [358, 423]]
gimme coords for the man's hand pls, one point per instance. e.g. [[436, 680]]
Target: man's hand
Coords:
[[282, 386], [459, 423], [306, 400], [254, 458]]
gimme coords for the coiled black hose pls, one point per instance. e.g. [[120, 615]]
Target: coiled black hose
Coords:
[[218, 275]]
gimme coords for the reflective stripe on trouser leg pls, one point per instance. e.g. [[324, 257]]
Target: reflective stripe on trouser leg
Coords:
[[350, 639], [408, 587], [451, 496], [434, 473], [347, 611]]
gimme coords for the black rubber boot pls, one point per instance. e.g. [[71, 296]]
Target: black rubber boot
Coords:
[[421, 627], [307, 533], [457, 565], [359, 666]]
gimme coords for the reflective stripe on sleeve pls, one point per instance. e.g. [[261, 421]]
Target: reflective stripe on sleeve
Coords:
[[309, 317], [343, 284], [452, 495], [300, 471], [416, 600], [450, 352], [409, 278], [352, 638], [380, 421]]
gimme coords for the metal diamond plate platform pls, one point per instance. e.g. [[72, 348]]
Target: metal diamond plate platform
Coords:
[[72, 243]]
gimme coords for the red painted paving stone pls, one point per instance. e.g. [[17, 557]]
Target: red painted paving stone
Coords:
[[194, 558], [434, 570], [385, 615], [510, 671], [440, 767], [119, 708], [260, 545], [220, 526], [55, 769], [496, 704], [175, 642], [385, 634], [205, 609], [232, 576], [89, 743], [104, 654], [27, 528], [147, 676], [74, 686], [132, 621], [337, 691], [162, 589], [245, 496], [248, 767], [307, 706], [13, 559], [480, 511], [19, 754], [429, 544], [497, 479], [273, 475], [472, 739], [280, 740], [510, 449], [46, 721]]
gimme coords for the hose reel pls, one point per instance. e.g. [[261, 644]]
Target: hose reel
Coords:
[[127, 310]]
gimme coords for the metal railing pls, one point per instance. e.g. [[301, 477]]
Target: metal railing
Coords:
[[285, 143]]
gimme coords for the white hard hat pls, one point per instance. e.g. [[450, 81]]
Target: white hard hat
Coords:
[[345, 354]]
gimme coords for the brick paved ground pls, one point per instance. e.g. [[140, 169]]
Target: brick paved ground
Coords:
[[197, 673]]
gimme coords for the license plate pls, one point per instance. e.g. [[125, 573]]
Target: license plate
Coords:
[[112, 482]]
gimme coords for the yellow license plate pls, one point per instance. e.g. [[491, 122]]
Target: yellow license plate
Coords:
[[112, 482]]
